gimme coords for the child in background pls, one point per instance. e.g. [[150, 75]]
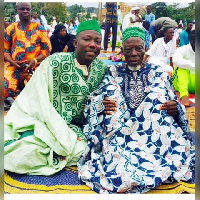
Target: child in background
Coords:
[[146, 27]]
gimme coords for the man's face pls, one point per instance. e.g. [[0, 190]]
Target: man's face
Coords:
[[137, 12], [35, 15], [87, 46], [133, 12], [134, 51], [148, 9], [169, 33], [24, 10], [189, 26]]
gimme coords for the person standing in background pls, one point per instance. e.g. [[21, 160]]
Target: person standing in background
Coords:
[[129, 19], [184, 35], [146, 27], [44, 21], [119, 24], [177, 33], [111, 22], [150, 17], [66, 26], [35, 18], [25, 45], [76, 23], [138, 18], [54, 23]]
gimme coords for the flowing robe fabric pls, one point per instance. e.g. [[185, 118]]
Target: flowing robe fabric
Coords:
[[139, 147], [43, 127]]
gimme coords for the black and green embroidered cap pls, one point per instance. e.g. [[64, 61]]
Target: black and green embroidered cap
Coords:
[[133, 32], [88, 25]]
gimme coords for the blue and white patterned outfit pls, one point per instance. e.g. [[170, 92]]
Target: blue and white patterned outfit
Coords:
[[150, 17], [148, 39], [140, 146]]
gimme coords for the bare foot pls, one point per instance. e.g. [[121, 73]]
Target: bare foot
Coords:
[[104, 51], [113, 51], [185, 101]]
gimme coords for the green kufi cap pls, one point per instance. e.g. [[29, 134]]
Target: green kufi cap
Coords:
[[133, 32], [88, 25]]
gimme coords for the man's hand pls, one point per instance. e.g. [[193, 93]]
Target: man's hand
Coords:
[[185, 101], [171, 107], [16, 64], [110, 106], [31, 65], [65, 49]]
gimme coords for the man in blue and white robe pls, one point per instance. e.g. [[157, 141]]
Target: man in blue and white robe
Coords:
[[145, 141]]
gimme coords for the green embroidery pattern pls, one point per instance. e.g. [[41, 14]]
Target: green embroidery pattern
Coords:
[[71, 88]]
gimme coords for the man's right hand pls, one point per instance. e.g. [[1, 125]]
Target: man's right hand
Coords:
[[16, 64], [110, 106]]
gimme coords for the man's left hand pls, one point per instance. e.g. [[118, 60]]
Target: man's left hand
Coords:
[[171, 107]]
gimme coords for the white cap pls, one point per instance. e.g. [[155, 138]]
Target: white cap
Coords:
[[136, 8]]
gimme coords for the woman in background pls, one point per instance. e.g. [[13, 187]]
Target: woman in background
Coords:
[[61, 41]]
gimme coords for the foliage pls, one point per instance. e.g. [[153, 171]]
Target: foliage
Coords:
[[37, 7], [143, 12], [174, 12], [59, 10], [159, 9], [74, 10], [91, 10], [87, 15], [9, 8]]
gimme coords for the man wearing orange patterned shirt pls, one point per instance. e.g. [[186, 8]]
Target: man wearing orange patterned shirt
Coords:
[[26, 44]]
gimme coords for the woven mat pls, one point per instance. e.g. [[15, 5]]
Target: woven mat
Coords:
[[67, 182], [64, 182]]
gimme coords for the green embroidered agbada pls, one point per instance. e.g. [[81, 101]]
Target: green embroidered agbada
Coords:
[[43, 127]]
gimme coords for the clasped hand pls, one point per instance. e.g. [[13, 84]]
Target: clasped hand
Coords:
[[31, 64]]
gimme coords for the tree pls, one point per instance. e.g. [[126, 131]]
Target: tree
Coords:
[[174, 12], [189, 12], [75, 9], [9, 8], [59, 10], [91, 10], [159, 9]]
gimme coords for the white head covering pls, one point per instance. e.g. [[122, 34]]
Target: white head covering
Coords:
[[126, 20], [135, 8]]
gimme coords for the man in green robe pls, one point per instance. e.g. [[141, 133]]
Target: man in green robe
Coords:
[[43, 127]]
